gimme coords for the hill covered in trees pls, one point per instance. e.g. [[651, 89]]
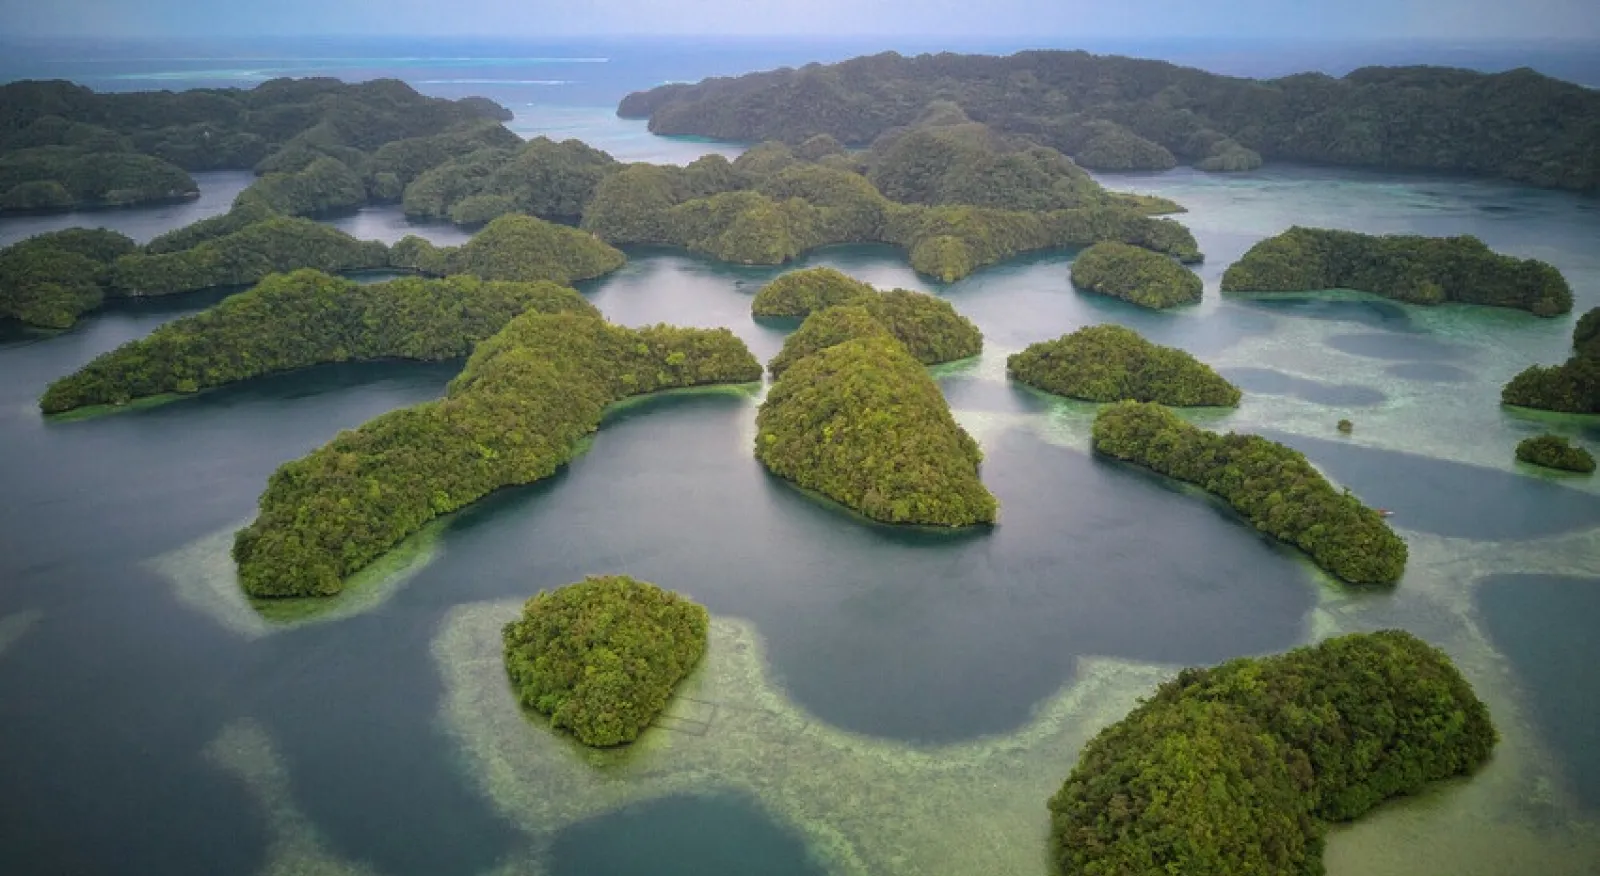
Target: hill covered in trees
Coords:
[[51, 279], [1573, 386], [515, 414], [1553, 451], [1405, 267], [1270, 485], [1117, 113], [307, 318], [1108, 363], [1137, 275], [1237, 769], [514, 247], [246, 256], [601, 657]]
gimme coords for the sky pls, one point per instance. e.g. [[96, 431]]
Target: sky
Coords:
[[1146, 19]]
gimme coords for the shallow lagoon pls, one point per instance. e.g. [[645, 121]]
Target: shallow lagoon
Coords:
[[886, 700]]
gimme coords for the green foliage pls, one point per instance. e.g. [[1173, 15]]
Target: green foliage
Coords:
[[862, 423], [1573, 386], [1270, 485], [307, 318], [1553, 451], [1346, 427], [515, 248], [66, 176], [602, 657], [969, 164], [798, 293], [410, 158], [325, 185], [1118, 112], [50, 279], [1134, 274], [929, 327], [515, 414], [1409, 268], [1232, 770], [246, 256], [1107, 363], [824, 328], [541, 177]]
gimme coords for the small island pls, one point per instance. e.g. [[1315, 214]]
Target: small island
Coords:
[[246, 256], [1270, 485], [51, 279], [1135, 275], [862, 423], [1572, 387], [1553, 451], [306, 318], [517, 412], [602, 657], [796, 294], [514, 247], [1108, 363], [1405, 267], [1238, 768]]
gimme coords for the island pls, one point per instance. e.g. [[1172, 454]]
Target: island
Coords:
[[796, 294], [1135, 275], [540, 177], [245, 256], [862, 423], [1238, 768], [1553, 451], [1118, 113], [602, 657], [1572, 387], [514, 248], [517, 412], [320, 144], [1405, 267], [1108, 363], [1270, 485], [49, 280], [306, 318]]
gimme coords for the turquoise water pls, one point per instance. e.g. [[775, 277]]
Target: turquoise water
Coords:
[[875, 700]]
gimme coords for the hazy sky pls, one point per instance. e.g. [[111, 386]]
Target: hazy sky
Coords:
[[1042, 19]]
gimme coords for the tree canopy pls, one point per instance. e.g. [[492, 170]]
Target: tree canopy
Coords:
[[1270, 485], [1405, 267], [1573, 386], [514, 248], [1108, 363], [1553, 451], [601, 657], [1137, 275], [49, 280], [246, 256], [799, 293]]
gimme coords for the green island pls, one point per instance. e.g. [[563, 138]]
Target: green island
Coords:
[[1135, 275], [1573, 386], [863, 423], [1405, 267], [1108, 363], [319, 144], [540, 177], [514, 247], [602, 657], [518, 411], [49, 280], [305, 318], [797, 294], [1553, 451], [1270, 485], [246, 256], [1238, 768], [1117, 113]]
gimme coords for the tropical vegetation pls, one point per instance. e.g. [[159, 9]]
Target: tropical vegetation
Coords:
[[1108, 363], [49, 280], [1554, 451], [1136, 275], [246, 256], [1573, 386], [514, 248]]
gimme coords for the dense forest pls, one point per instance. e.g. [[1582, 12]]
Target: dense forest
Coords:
[[1405, 267], [1270, 485], [1136, 275], [1117, 113], [863, 423], [320, 144], [797, 294], [49, 280], [602, 657], [518, 411], [514, 248], [1237, 768], [307, 318], [1573, 386], [1553, 451], [929, 328], [1108, 363], [246, 256]]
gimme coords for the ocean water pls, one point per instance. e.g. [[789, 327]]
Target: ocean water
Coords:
[[875, 700]]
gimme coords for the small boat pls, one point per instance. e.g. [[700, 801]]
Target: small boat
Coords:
[[1384, 512]]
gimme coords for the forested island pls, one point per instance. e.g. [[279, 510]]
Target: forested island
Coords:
[[1108, 363], [1237, 769], [1573, 386], [1553, 451], [517, 412], [306, 318], [1116, 113], [1135, 275], [863, 423], [320, 144], [49, 279], [602, 657], [1270, 485], [1405, 267], [514, 248]]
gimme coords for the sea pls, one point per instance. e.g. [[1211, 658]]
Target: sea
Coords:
[[875, 700]]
